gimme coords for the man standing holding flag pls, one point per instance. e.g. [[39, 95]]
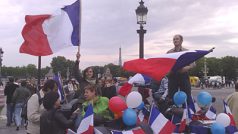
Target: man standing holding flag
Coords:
[[179, 80]]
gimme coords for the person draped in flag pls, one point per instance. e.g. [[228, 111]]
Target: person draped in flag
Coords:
[[89, 77], [179, 80], [232, 102], [99, 103], [53, 120]]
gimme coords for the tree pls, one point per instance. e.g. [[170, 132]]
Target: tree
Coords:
[[31, 70], [214, 65], [60, 64], [229, 66]]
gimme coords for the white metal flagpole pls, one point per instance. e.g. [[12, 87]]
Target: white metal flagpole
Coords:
[[80, 21]]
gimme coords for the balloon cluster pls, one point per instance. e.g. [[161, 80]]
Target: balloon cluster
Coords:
[[123, 109], [222, 121]]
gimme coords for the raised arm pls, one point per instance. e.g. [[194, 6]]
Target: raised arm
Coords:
[[76, 73]]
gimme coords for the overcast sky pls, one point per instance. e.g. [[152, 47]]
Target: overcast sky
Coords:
[[110, 24]]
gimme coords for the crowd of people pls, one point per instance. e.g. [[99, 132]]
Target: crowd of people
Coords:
[[44, 113], [44, 106]]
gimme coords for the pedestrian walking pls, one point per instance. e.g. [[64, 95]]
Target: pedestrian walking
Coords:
[[8, 91]]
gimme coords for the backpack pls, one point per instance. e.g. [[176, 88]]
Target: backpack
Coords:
[[24, 106]]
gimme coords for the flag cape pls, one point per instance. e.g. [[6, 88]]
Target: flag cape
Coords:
[[157, 68], [45, 34]]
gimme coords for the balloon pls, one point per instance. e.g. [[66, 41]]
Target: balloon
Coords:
[[217, 128], [134, 99], [129, 117], [179, 98], [223, 119], [117, 104], [141, 106], [204, 98]]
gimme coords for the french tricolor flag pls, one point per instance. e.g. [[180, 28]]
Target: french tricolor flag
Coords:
[[57, 79], [158, 67], [193, 106], [86, 125], [134, 131], [159, 124], [138, 78], [211, 113], [232, 127], [45, 34], [184, 119]]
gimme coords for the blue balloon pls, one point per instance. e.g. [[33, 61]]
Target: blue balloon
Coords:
[[141, 106], [204, 98], [129, 117], [179, 98], [217, 128]]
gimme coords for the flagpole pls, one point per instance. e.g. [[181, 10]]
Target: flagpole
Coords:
[[80, 14], [39, 73]]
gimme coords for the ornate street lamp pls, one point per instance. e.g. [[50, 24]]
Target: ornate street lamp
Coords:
[[141, 15], [1, 55]]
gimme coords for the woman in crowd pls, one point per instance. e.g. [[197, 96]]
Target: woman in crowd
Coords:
[[89, 77], [53, 121], [109, 89], [35, 107]]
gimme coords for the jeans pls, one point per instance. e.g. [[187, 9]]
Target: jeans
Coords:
[[10, 110], [179, 81], [18, 109]]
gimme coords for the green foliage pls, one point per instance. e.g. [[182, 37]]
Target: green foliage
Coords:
[[60, 64], [225, 66]]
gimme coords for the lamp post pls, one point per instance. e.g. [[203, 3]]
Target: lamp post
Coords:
[[141, 14], [205, 71], [1, 55]]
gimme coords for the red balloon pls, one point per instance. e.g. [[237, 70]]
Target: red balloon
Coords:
[[117, 104]]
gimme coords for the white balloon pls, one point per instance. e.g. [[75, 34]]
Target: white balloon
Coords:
[[134, 99], [223, 119]]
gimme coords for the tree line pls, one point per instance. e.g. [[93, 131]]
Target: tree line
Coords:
[[225, 66]]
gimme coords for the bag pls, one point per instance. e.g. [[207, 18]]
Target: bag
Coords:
[[24, 106]]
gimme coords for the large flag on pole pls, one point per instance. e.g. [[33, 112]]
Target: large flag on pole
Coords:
[[157, 68], [45, 34]]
